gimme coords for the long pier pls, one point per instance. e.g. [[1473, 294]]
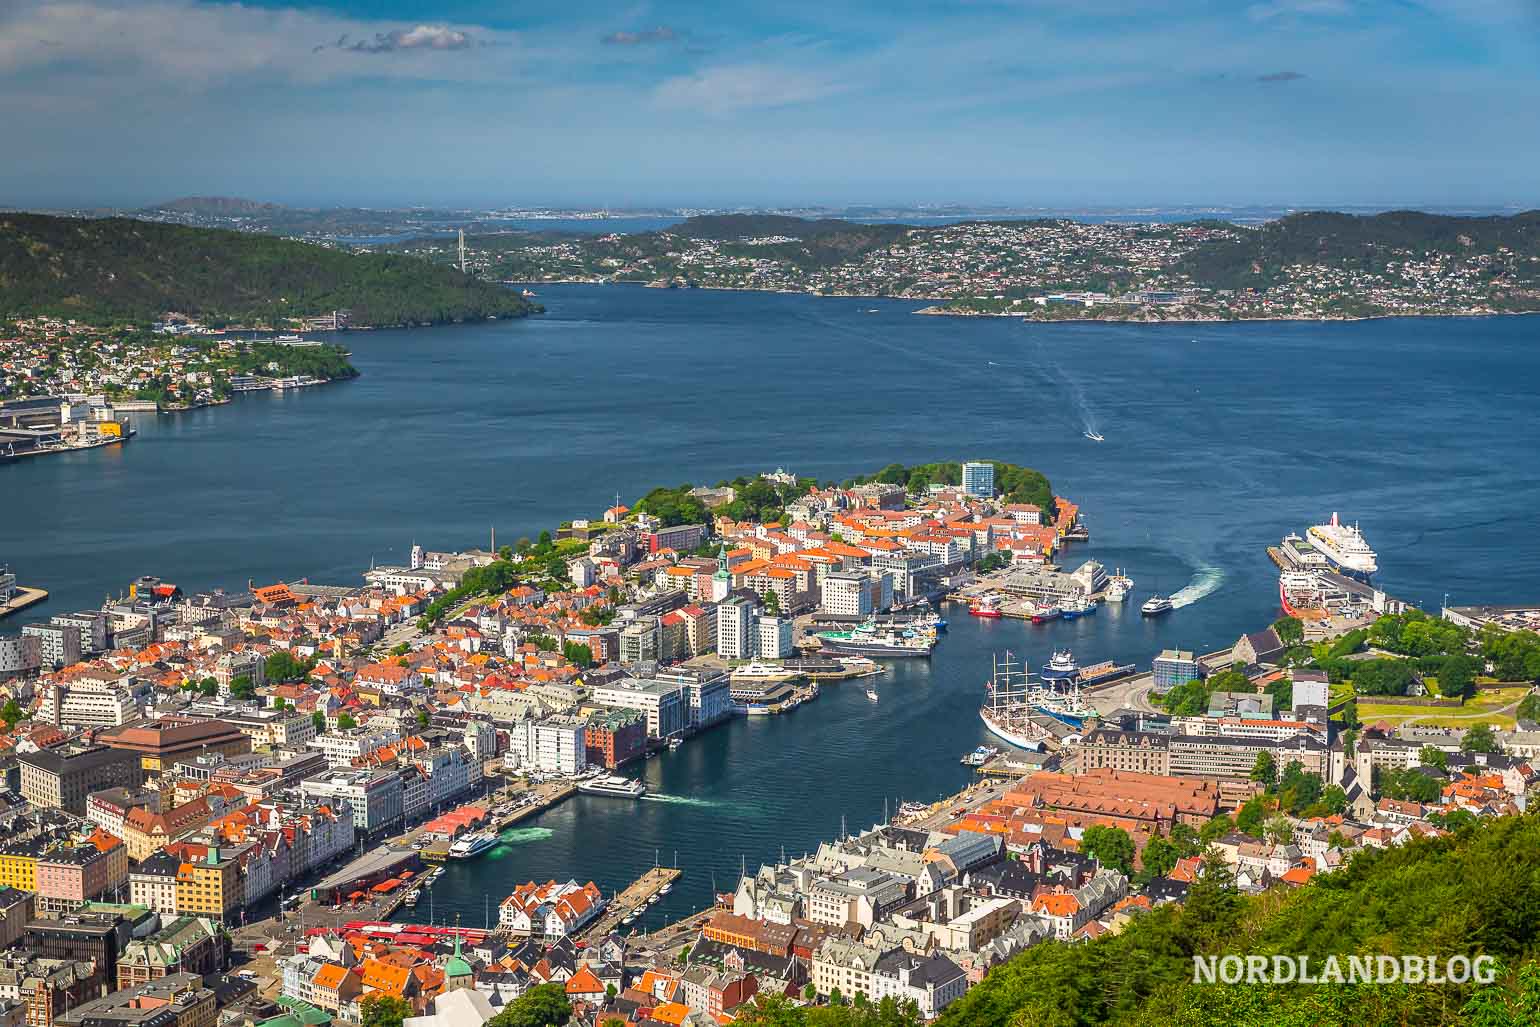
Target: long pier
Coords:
[[23, 598], [635, 897]]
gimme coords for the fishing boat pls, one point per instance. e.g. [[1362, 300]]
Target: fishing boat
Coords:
[[1118, 586], [870, 640], [1076, 606], [985, 606], [980, 756], [1044, 614]]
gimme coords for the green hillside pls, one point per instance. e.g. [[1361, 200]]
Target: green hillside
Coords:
[[119, 269], [1365, 243], [1468, 895]]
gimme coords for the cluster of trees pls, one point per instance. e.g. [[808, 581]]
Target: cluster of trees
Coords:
[[11, 713], [1014, 483], [281, 667], [1293, 791], [1191, 698], [1383, 677], [1515, 655], [1414, 633], [762, 500], [769, 1010], [674, 506], [329, 361], [497, 576], [111, 270], [1406, 783], [575, 652], [1463, 895]]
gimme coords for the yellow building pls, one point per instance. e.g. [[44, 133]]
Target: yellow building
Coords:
[[208, 883], [111, 429], [18, 867]]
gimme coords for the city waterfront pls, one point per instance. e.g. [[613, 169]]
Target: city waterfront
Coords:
[[1218, 440]]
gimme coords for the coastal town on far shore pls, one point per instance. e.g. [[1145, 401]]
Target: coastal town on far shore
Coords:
[[66, 386], [1048, 269], [231, 805]]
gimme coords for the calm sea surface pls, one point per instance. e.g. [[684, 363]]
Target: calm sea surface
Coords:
[[1219, 440]]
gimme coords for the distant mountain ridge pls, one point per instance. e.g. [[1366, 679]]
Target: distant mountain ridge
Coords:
[[218, 205], [122, 269]]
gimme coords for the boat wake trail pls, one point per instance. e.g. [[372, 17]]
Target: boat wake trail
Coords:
[[1204, 583], [1073, 389], [681, 800], [524, 835]]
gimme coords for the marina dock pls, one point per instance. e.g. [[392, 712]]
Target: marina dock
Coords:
[[23, 598], [635, 897]]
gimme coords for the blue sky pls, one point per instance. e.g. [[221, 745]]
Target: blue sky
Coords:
[[1103, 102]]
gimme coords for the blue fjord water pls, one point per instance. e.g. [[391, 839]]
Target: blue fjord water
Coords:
[[1219, 439]]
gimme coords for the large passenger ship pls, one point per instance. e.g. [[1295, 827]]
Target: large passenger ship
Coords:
[[1344, 546]]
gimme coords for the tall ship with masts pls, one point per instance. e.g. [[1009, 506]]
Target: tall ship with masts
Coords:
[[1028, 712]]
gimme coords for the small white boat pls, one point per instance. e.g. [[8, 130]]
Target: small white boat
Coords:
[[652, 899], [668, 886], [1095, 436], [674, 743], [871, 693]]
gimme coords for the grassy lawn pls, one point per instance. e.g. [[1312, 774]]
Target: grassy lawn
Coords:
[[1478, 711]]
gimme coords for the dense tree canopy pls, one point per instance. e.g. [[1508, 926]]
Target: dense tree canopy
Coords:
[[674, 506], [1473, 893], [117, 269]]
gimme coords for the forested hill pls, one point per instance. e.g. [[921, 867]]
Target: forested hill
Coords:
[[1355, 242], [117, 269]]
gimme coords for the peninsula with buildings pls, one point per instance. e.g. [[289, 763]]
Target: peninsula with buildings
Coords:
[[221, 803], [66, 386], [1310, 266]]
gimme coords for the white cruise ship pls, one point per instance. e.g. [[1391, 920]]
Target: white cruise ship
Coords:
[[1344, 546]]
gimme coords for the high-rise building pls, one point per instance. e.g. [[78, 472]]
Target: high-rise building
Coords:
[[978, 479], [735, 628]]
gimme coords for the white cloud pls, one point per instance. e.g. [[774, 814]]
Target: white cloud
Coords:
[[729, 88], [184, 44]]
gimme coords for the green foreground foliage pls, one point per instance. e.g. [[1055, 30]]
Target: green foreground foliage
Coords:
[[1470, 894]]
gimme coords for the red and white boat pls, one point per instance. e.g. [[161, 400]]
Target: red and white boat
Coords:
[[985, 607]]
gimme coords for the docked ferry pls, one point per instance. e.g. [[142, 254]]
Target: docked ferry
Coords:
[[472, 845], [1344, 546]]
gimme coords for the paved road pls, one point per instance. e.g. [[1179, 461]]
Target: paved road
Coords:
[[1133, 694]]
